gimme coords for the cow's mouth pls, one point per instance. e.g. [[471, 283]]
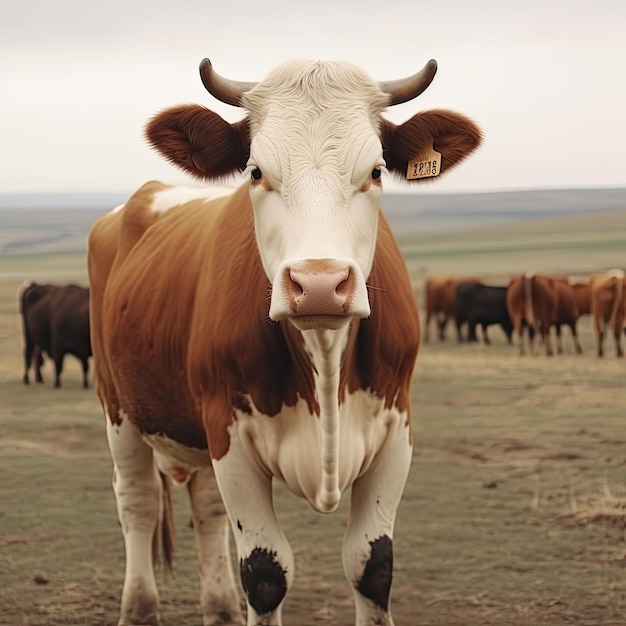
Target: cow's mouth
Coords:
[[321, 322]]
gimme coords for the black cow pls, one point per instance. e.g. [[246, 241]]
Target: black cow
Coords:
[[484, 305], [55, 321]]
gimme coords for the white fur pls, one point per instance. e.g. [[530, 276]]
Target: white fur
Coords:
[[173, 196]]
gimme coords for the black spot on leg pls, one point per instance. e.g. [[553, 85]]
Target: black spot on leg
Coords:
[[375, 584], [239, 526], [263, 580]]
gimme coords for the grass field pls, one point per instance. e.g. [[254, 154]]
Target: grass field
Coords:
[[513, 513]]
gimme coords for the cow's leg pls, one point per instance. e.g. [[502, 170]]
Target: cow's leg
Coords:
[[38, 364], [138, 492], [471, 331], [265, 557], [599, 328], [28, 359], [218, 591], [85, 365], [559, 340], [442, 320], [486, 340], [577, 346], [459, 334], [368, 542], [545, 336], [531, 339], [58, 370]]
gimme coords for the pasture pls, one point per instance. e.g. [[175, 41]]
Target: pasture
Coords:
[[514, 512]]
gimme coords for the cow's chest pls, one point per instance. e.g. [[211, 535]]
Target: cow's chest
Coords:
[[289, 445]]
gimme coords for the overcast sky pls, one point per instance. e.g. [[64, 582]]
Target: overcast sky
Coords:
[[545, 79]]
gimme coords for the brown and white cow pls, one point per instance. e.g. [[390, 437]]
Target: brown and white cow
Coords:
[[536, 302], [608, 294], [270, 332], [440, 301]]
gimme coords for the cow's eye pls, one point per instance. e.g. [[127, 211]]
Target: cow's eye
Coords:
[[256, 174], [376, 173]]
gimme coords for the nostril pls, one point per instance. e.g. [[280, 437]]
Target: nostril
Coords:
[[295, 287], [343, 286]]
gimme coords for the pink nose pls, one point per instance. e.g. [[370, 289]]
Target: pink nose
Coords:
[[320, 293]]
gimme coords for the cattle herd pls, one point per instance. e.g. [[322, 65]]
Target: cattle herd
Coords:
[[529, 305]]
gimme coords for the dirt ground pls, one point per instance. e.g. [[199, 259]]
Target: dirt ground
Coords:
[[513, 513]]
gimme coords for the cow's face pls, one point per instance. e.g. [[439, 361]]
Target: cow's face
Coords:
[[315, 183], [314, 146]]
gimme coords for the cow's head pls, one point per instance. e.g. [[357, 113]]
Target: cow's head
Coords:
[[314, 145]]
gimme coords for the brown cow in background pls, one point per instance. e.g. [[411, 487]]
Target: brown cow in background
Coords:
[[440, 296], [566, 313], [607, 303], [55, 321], [537, 302]]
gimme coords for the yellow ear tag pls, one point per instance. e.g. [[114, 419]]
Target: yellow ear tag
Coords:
[[426, 165]]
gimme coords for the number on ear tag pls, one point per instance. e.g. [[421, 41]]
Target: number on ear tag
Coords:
[[426, 165]]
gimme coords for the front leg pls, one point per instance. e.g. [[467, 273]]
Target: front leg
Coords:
[[138, 492], [219, 596], [265, 557], [368, 543]]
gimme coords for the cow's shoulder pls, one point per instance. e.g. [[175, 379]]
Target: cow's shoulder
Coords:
[[136, 216], [383, 347], [156, 220]]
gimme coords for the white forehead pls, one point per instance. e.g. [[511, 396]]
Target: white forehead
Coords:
[[314, 115], [312, 87]]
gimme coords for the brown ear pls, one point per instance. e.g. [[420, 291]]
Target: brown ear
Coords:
[[199, 141], [453, 135]]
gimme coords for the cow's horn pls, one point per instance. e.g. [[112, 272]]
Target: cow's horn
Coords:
[[406, 89], [228, 91]]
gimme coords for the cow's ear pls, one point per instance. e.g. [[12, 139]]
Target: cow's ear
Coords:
[[453, 135], [199, 141]]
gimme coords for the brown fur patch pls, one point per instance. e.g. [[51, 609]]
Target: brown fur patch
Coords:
[[382, 349]]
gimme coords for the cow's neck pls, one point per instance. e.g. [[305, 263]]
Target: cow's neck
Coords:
[[326, 348]]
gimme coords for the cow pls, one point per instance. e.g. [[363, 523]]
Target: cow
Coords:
[[264, 333], [440, 296], [566, 312], [537, 302], [581, 293], [608, 290], [485, 305], [55, 321]]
